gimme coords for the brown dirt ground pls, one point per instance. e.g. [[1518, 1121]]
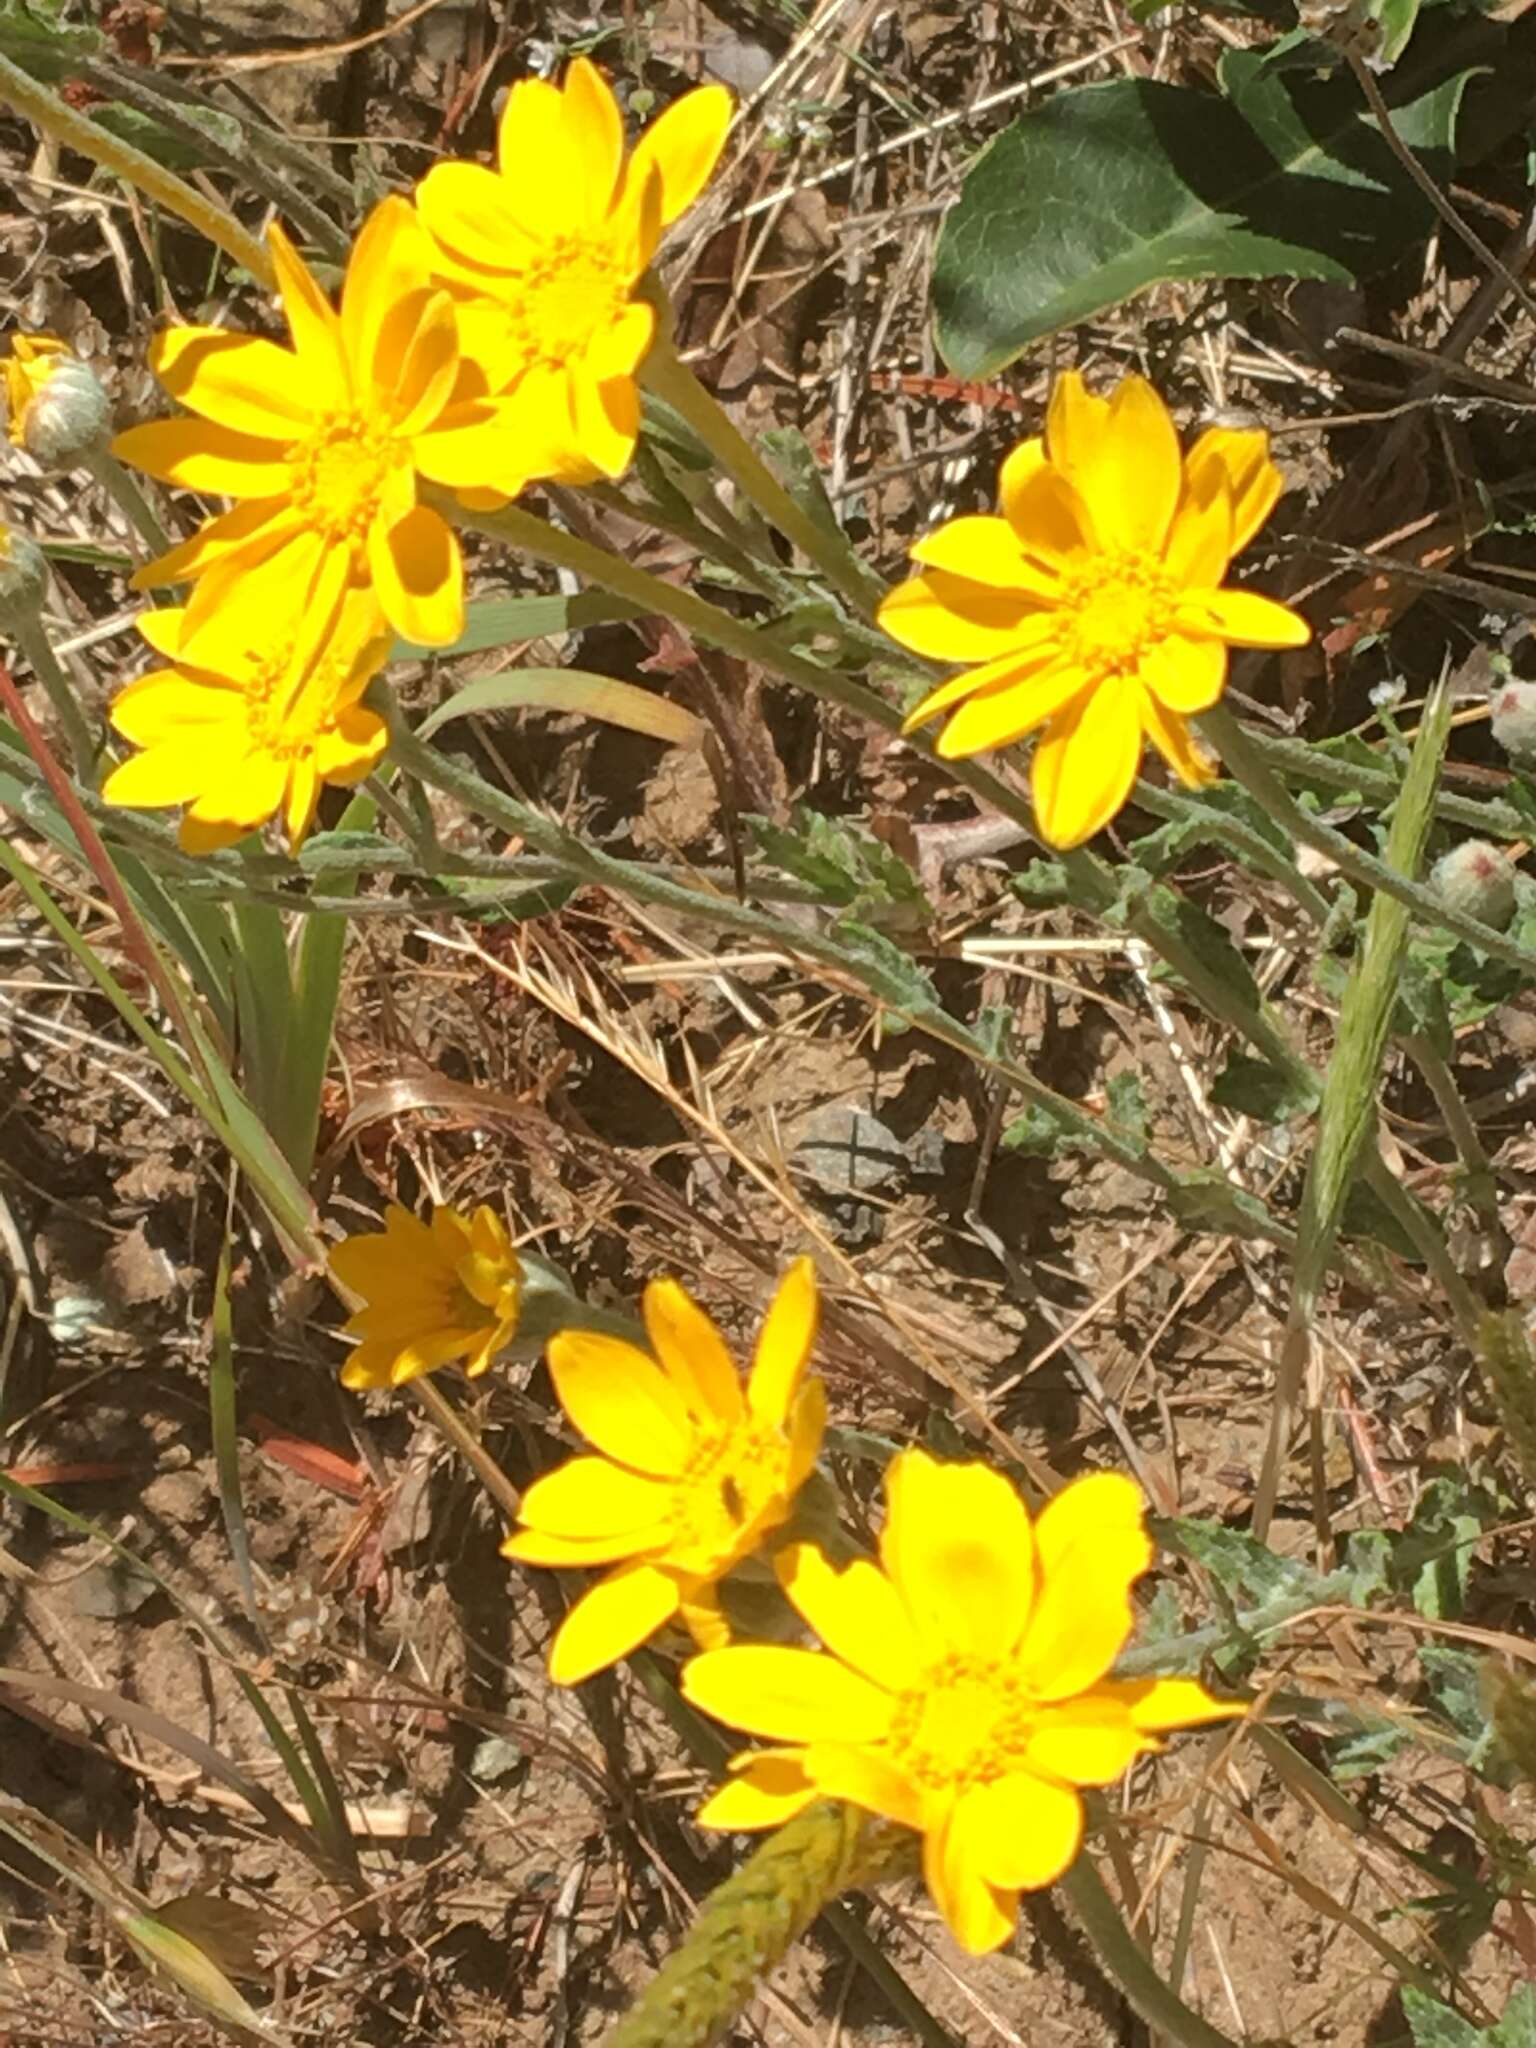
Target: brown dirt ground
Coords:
[[529, 1852]]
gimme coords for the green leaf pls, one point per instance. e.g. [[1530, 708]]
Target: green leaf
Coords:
[[890, 971], [1107, 189], [165, 144], [569, 689], [1253, 1087], [1243, 1567], [1206, 1200], [1037, 1133], [33, 35], [495, 621], [844, 862], [1434, 2025]]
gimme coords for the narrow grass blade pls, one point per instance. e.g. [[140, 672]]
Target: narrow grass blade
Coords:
[[570, 689]]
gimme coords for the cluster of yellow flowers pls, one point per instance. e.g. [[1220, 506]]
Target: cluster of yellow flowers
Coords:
[[490, 333], [963, 1689]]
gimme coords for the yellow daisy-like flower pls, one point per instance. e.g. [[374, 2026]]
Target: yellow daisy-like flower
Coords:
[[1093, 606], [543, 255], [693, 1473], [321, 444], [963, 1692], [434, 1292], [252, 722]]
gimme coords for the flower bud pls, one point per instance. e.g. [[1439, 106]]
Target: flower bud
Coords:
[[58, 410], [1478, 880], [1514, 721], [23, 579]]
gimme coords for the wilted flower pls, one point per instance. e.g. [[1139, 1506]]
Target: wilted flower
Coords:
[[252, 722], [544, 253], [55, 405], [434, 1293], [963, 1690], [694, 1471], [1093, 606], [321, 443], [1513, 717]]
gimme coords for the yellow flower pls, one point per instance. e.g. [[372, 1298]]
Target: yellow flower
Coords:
[[693, 1474], [321, 444], [1093, 606], [56, 408], [965, 1692], [434, 1292], [543, 255], [254, 721]]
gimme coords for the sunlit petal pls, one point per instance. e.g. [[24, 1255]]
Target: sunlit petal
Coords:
[[856, 1611], [958, 1549], [609, 1620], [1086, 760], [786, 1695]]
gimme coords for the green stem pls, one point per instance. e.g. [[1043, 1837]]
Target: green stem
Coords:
[[47, 112], [671, 379], [449, 1423], [35, 646], [1464, 1134], [1353, 778], [749, 1923], [129, 500]]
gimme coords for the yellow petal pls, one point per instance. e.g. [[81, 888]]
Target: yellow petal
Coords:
[[424, 381], [784, 1345], [1123, 457], [1030, 1831], [979, 1915], [299, 804], [1200, 539], [1253, 481], [596, 131], [247, 532], [247, 791], [537, 1546], [1090, 1740], [988, 551], [418, 573], [1171, 736], [1085, 762], [160, 626], [387, 282], [607, 417], [856, 1611], [1039, 646], [786, 1695], [614, 1617], [200, 457], [1160, 1704], [466, 208], [950, 618], [692, 1352], [807, 1426], [1051, 519], [475, 448], [1092, 1546], [621, 1402], [1019, 468], [169, 774], [1242, 618], [164, 703], [1010, 711], [957, 1547], [237, 380], [315, 328], [683, 146], [587, 1497], [766, 1791], [354, 749], [864, 1777], [542, 178], [1185, 675]]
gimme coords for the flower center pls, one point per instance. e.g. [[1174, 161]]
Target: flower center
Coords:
[[1123, 604], [571, 291], [339, 475], [967, 1724], [727, 1495]]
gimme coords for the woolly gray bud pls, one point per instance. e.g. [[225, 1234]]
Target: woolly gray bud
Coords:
[[23, 579], [1514, 721], [58, 410], [1478, 880]]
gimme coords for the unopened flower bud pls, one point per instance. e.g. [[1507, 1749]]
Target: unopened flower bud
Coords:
[[23, 579], [57, 408], [1514, 721], [1478, 880]]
